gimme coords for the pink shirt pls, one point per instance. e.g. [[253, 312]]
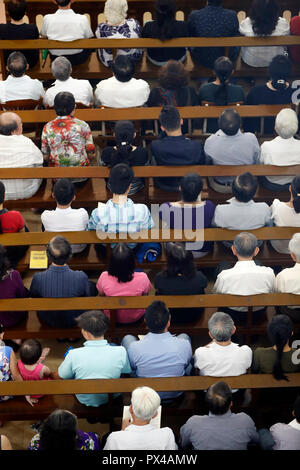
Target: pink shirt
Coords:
[[34, 374], [139, 285]]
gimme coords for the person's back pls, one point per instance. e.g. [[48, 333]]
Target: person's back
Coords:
[[287, 436]]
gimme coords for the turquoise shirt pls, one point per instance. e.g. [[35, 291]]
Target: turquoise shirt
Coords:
[[95, 360]]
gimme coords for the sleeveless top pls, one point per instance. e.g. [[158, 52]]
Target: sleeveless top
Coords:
[[30, 374]]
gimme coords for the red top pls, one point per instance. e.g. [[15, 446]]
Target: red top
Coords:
[[11, 221], [34, 374], [295, 29]]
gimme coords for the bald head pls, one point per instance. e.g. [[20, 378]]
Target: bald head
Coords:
[[10, 124], [59, 250]]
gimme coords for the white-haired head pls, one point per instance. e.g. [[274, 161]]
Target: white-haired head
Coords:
[[286, 123], [294, 246], [61, 68], [145, 403], [115, 11]]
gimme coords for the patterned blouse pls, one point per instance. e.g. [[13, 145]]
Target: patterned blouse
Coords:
[[131, 28], [5, 374], [67, 141], [85, 441]]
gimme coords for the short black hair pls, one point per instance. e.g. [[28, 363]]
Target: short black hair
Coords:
[[244, 187], [59, 250], [123, 68], [93, 321], [122, 262], [64, 191], [62, 3], [215, 3], [191, 186], [230, 121], [297, 409], [64, 103], [169, 118], [218, 398], [2, 192], [59, 432], [16, 9], [280, 71], [157, 316], [120, 178], [17, 63], [30, 351]]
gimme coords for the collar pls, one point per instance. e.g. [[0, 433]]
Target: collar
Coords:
[[221, 133], [129, 202], [60, 82], [95, 343], [294, 424], [225, 415], [64, 117], [59, 268], [161, 335], [244, 263], [64, 12], [234, 201], [11, 77], [146, 428], [296, 266]]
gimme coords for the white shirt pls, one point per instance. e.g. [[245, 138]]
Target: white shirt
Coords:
[[283, 216], [18, 151], [81, 90], [146, 437], [288, 281], [223, 361], [20, 88], [66, 220], [262, 56], [66, 25], [245, 278], [280, 152], [115, 94]]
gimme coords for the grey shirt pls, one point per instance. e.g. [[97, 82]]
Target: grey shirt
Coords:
[[230, 431], [286, 436], [238, 215]]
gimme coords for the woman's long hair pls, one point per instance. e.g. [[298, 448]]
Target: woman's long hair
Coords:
[[295, 188], [165, 14], [122, 263], [124, 134], [179, 261], [279, 331], [223, 68], [264, 16], [59, 432]]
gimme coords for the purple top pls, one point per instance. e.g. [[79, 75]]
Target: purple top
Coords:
[[11, 287]]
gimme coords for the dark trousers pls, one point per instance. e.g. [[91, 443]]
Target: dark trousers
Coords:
[[273, 186], [76, 59]]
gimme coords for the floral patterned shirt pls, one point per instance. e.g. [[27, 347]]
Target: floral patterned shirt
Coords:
[[84, 441], [67, 141]]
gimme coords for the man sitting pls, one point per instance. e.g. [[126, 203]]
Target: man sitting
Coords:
[[138, 433], [61, 69], [159, 354], [18, 151], [172, 148], [220, 429], [230, 146], [18, 85], [287, 436], [122, 90], [97, 359]]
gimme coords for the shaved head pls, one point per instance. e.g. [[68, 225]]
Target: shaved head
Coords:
[[10, 123]]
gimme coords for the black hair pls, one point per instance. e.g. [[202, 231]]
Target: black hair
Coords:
[[297, 409], [64, 191], [93, 321], [280, 71], [124, 134], [218, 398], [179, 261], [4, 262], [191, 186], [122, 263], [62, 3], [30, 351], [120, 178], [264, 16], [59, 432], [280, 330], [215, 3], [17, 63], [244, 187], [64, 103], [59, 250], [165, 14], [157, 316], [1, 328], [295, 188], [16, 9], [223, 68], [2, 194], [230, 121], [169, 118], [123, 68]]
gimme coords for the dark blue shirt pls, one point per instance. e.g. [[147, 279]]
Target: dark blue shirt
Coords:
[[213, 21]]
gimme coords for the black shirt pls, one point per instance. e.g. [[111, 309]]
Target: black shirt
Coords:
[[21, 31]]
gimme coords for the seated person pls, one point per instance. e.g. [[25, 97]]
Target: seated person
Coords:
[[172, 148], [287, 436], [140, 433], [122, 90], [245, 277], [284, 150], [230, 146], [82, 90], [17, 28], [60, 281], [180, 278], [220, 429], [159, 354], [121, 279], [97, 359], [190, 213], [295, 29], [66, 25], [18, 85], [64, 218]]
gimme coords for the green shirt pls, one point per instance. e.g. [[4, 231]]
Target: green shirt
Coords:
[[264, 360]]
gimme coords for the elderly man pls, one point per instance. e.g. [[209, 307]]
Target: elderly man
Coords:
[[230, 146], [220, 429], [82, 90], [18, 85], [18, 151], [138, 433], [284, 150]]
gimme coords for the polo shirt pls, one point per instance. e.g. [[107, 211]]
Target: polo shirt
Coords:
[[232, 215], [116, 94], [223, 361], [286, 436], [146, 437], [283, 216], [95, 360], [11, 221], [280, 152], [21, 88], [80, 89], [288, 281]]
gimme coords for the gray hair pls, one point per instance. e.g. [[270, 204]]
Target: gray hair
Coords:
[[61, 68], [145, 402], [286, 123], [245, 244], [115, 11], [294, 245], [221, 326]]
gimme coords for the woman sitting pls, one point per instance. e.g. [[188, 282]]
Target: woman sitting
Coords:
[[125, 152], [115, 27], [180, 278], [165, 27], [263, 20], [121, 279]]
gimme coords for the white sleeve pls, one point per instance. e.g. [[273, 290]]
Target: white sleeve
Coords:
[[37, 156], [109, 443], [245, 27], [199, 358], [43, 31], [88, 33], [218, 286], [217, 218], [247, 356]]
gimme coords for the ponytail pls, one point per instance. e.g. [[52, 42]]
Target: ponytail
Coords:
[[124, 133], [280, 72], [122, 154], [295, 187], [223, 69], [279, 84], [279, 330]]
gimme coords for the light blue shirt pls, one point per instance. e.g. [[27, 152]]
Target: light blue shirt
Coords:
[[236, 215], [95, 360], [160, 355]]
